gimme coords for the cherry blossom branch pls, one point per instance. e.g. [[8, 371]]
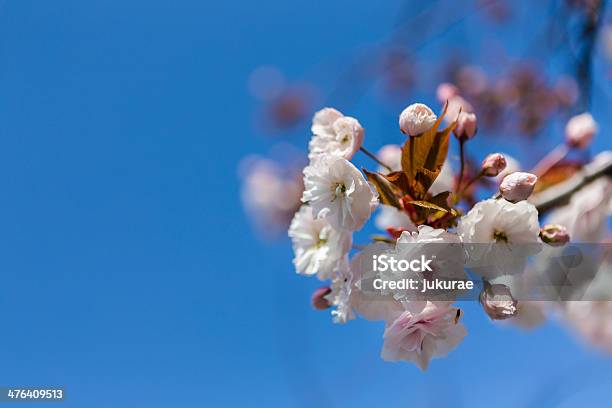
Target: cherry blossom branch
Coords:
[[548, 161], [561, 193], [373, 157]]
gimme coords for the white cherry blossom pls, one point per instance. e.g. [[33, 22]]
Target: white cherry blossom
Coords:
[[334, 134], [585, 217], [338, 192], [340, 295], [580, 130], [500, 235], [318, 247]]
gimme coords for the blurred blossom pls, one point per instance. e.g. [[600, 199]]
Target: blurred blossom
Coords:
[[580, 130], [397, 72], [446, 91], [270, 193], [499, 11], [457, 104], [466, 126], [472, 80], [284, 105], [493, 164], [512, 165], [391, 155], [606, 40], [529, 314], [290, 107], [567, 90], [589, 8], [592, 320], [266, 82], [521, 100], [585, 217]]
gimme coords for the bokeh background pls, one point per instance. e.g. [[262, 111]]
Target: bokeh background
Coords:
[[132, 274]]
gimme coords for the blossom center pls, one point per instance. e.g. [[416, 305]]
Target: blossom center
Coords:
[[339, 190], [321, 242], [500, 236]]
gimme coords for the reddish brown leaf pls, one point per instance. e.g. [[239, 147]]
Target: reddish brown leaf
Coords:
[[423, 156], [556, 174], [385, 189]]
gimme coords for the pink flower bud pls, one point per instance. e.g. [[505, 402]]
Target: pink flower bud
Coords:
[[493, 164], [580, 130], [416, 119], [517, 186], [554, 234], [497, 302], [467, 124], [319, 300], [446, 91]]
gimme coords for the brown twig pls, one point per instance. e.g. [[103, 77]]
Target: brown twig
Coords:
[[373, 157], [561, 193]]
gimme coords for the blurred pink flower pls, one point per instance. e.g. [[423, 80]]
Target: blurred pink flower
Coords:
[[446, 91], [592, 320], [493, 164], [457, 104], [467, 125], [270, 193], [580, 130]]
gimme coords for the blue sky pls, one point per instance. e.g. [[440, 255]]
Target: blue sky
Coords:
[[131, 275]]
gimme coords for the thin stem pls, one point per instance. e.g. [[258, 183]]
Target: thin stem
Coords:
[[472, 181], [462, 166], [373, 157], [547, 162]]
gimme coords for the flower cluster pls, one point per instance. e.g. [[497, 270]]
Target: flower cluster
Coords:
[[421, 203]]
